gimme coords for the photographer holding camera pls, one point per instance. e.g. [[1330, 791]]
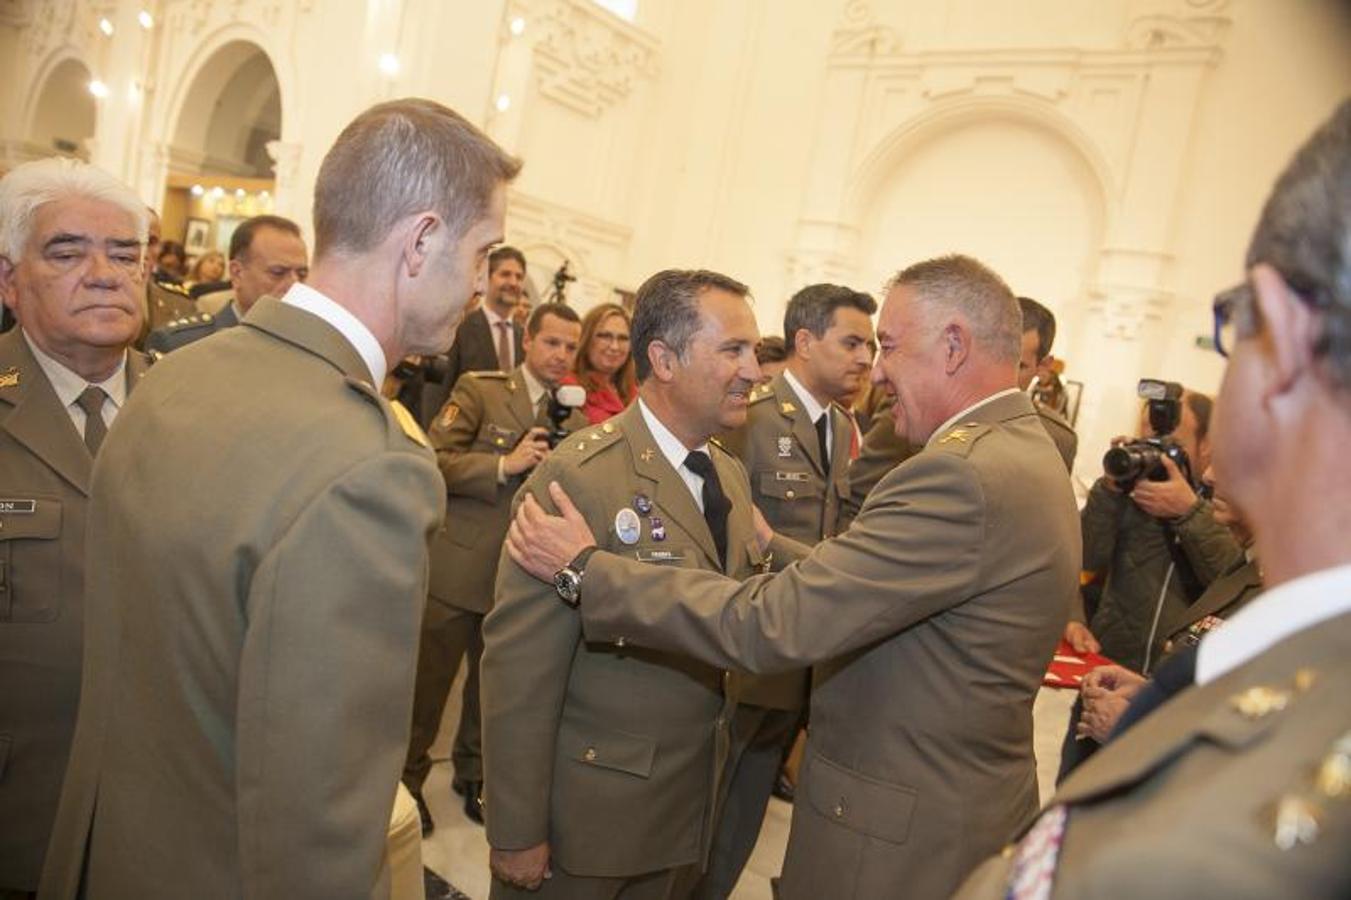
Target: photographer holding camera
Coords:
[[1150, 537], [496, 427]]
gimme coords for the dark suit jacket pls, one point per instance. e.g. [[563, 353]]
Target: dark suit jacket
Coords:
[[44, 493], [475, 349], [933, 618], [253, 633]]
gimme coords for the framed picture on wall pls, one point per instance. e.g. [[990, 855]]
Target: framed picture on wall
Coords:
[[197, 236]]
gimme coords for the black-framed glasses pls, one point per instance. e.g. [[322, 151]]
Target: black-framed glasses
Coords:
[[1228, 308]]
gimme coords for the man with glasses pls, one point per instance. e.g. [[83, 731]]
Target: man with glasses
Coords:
[[70, 271], [1240, 786]]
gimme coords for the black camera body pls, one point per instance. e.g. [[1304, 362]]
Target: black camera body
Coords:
[[1128, 463], [561, 404]]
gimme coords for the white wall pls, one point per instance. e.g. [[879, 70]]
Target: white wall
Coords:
[[1108, 157]]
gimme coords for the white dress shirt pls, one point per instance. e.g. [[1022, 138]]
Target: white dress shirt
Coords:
[[69, 386], [302, 296], [813, 409], [1276, 615], [675, 453]]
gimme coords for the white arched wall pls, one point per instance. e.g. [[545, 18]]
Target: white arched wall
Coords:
[[61, 105]]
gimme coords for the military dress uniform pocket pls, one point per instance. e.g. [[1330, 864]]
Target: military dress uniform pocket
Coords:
[[789, 487], [30, 558], [606, 748], [862, 804]]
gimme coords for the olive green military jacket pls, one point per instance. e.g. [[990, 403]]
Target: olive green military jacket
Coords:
[[798, 493], [44, 496], [487, 415], [932, 620], [611, 753], [163, 304], [1230, 789], [1062, 432], [252, 635], [881, 451]]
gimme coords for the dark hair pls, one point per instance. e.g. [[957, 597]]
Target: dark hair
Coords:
[[504, 252], [1040, 319], [242, 239], [1305, 235], [399, 158], [625, 382], [536, 320], [771, 349], [167, 248], [1201, 406], [813, 308], [959, 283], [666, 309]]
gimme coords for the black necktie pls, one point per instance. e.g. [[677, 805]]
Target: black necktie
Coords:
[[716, 504], [823, 440]]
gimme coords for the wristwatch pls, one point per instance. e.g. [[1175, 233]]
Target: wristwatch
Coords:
[[568, 580]]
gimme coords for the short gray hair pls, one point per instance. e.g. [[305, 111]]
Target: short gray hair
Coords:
[[957, 283], [37, 183], [666, 309], [1305, 234], [396, 159]]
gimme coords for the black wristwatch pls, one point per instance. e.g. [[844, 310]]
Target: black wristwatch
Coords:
[[568, 580]]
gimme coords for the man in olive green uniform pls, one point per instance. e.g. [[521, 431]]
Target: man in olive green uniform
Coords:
[[932, 618], [1038, 337], [1238, 786], [252, 634], [882, 450], [160, 303], [492, 432], [602, 760], [73, 280], [795, 447]]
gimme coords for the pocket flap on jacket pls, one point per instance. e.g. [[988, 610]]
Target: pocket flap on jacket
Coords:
[[790, 485], [29, 517], [618, 750], [859, 803]]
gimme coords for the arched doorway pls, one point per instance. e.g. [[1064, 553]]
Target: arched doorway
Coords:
[[220, 172], [65, 114]]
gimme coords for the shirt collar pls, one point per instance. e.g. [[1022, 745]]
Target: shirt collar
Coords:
[[942, 429], [493, 317], [302, 296], [809, 403], [533, 386], [70, 385], [670, 445], [1276, 615]]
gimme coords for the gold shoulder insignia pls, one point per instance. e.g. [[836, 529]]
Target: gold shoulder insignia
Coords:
[[956, 434], [760, 392], [409, 424], [9, 377], [488, 373], [786, 407]]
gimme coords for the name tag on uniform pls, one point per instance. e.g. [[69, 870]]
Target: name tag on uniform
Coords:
[[501, 437], [659, 556], [14, 507], [791, 476]]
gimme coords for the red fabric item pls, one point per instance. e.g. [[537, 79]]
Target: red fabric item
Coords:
[[1068, 668], [600, 404]]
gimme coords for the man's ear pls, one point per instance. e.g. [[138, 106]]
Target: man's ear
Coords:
[[663, 360], [801, 343], [1288, 325], [956, 339], [420, 240]]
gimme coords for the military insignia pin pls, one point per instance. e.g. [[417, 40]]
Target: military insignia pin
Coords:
[[785, 447], [787, 407], [9, 377], [607, 428], [643, 504], [658, 529], [647, 455], [627, 526], [956, 434]]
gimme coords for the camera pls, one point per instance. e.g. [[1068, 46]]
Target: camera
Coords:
[[433, 369], [561, 404], [1126, 464]]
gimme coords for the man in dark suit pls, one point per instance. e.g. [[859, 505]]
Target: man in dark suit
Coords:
[[249, 668], [488, 339], [1238, 786], [73, 279], [267, 256], [932, 618]]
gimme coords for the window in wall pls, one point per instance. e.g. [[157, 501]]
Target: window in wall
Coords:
[[625, 9]]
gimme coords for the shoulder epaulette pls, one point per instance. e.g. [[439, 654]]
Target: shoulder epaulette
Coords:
[[173, 288], [187, 323], [760, 392], [961, 438], [584, 443], [488, 373]]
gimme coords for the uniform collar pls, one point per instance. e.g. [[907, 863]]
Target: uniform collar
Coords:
[[70, 385], [943, 429], [669, 445], [302, 296], [804, 396], [533, 386]]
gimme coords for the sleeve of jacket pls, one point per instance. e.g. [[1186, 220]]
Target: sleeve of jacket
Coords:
[[326, 680], [468, 472], [914, 552], [529, 639], [1210, 547], [882, 450], [1100, 522]]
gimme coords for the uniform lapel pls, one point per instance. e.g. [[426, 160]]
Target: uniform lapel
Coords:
[[308, 332], [841, 437], [742, 551], [1222, 592], [518, 401], [800, 426], [38, 420], [668, 489]]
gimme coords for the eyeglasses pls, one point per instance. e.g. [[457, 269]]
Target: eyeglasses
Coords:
[[1228, 307], [609, 337]]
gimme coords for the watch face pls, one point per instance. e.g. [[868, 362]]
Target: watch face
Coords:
[[566, 583]]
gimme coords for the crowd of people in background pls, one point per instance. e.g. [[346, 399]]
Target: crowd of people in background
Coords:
[[259, 513]]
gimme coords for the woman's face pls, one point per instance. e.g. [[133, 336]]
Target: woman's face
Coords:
[[212, 268], [609, 348]]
